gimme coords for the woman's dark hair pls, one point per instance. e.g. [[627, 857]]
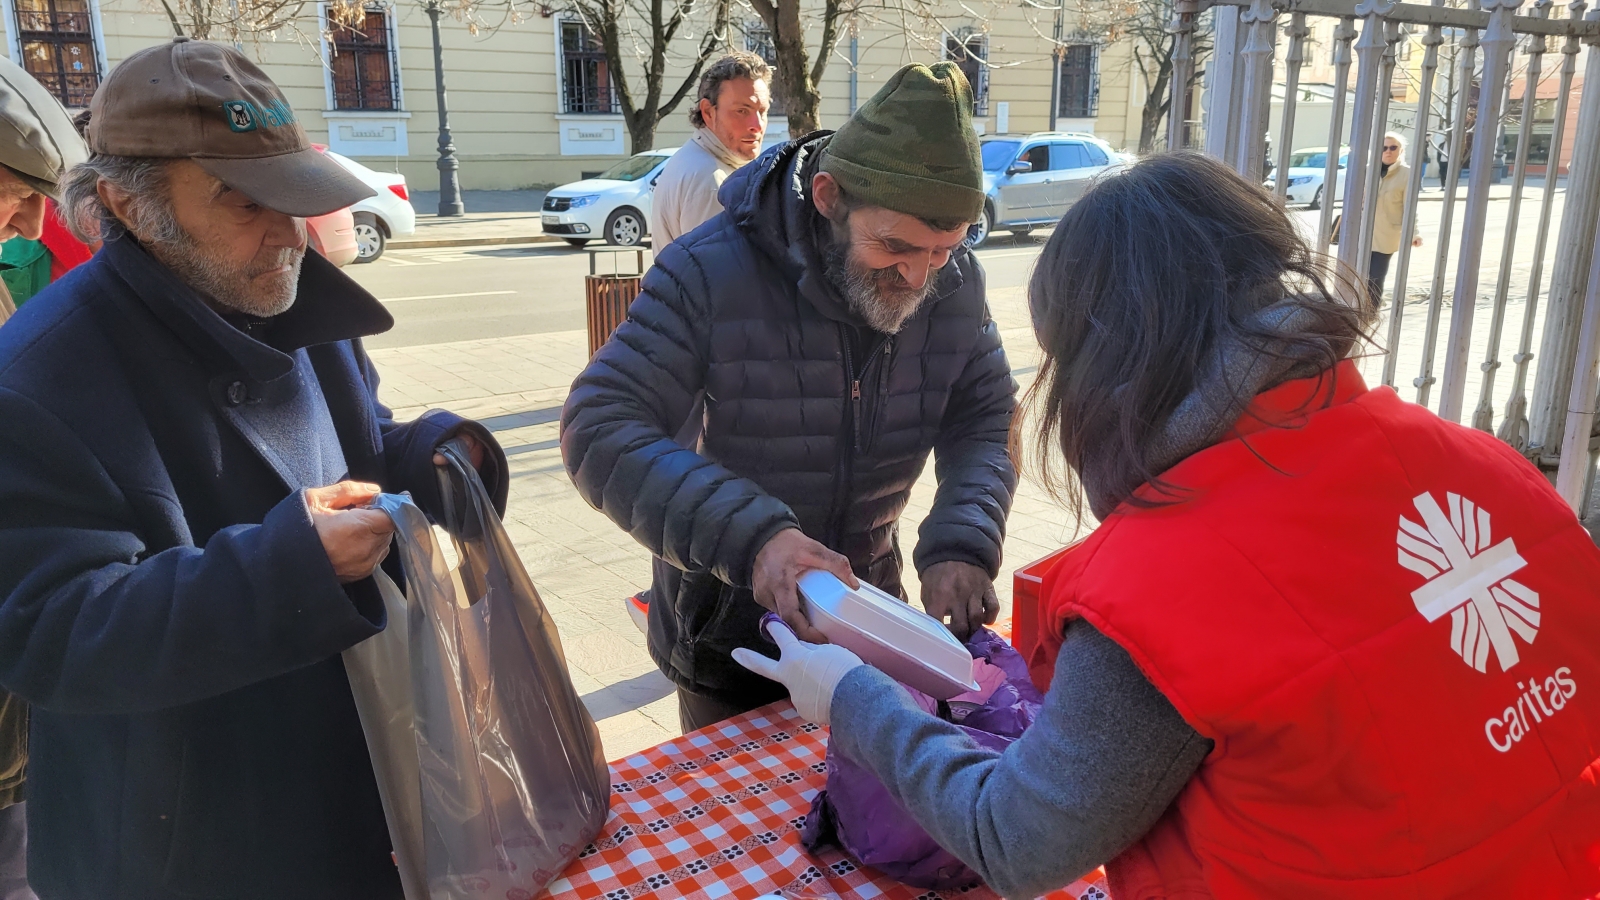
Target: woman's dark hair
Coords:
[[1150, 272]]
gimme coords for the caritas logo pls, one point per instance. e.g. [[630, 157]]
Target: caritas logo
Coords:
[[1469, 578]]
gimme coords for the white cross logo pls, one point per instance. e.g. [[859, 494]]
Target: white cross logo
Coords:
[[1469, 577]]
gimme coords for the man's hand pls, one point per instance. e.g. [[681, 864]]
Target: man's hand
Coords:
[[1416, 241], [355, 538], [780, 563], [961, 592], [474, 451]]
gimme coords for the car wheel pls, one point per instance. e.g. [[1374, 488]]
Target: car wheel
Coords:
[[625, 227], [979, 231], [576, 242], [370, 239], [1316, 199]]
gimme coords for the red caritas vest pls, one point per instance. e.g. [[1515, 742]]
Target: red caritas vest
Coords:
[[1390, 626]]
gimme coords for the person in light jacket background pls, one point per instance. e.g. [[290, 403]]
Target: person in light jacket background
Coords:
[[730, 121], [1394, 176]]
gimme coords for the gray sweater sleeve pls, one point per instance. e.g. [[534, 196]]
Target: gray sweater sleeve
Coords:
[[1106, 757]]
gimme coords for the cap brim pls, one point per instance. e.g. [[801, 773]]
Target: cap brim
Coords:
[[302, 183]]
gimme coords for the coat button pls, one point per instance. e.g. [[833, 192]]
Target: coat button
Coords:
[[237, 392]]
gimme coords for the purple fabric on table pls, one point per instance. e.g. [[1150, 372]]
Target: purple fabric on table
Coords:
[[856, 813]]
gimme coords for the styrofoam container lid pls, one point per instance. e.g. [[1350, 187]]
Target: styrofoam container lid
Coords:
[[906, 644]]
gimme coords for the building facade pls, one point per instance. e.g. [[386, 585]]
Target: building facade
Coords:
[[532, 103]]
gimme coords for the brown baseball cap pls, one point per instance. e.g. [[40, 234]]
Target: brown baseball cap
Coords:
[[208, 103]]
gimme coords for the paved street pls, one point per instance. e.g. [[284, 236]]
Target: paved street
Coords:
[[498, 333]]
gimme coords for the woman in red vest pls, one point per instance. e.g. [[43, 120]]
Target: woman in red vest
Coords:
[[1323, 644]]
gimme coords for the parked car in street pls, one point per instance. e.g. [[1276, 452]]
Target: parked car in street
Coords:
[[1307, 170], [334, 236], [379, 218], [614, 206], [1031, 179]]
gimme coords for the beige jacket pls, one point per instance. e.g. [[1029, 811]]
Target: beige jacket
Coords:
[[686, 190], [1391, 209]]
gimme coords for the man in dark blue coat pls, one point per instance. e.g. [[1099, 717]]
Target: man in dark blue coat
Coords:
[[811, 345], [189, 435]]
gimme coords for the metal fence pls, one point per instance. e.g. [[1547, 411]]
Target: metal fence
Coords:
[[1548, 408]]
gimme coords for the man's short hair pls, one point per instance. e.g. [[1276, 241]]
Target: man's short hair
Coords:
[[736, 65]]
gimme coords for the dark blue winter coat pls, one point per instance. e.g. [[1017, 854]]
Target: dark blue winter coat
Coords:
[[811, 419], [165, 603]]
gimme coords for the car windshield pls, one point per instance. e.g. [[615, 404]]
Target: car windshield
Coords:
[[1308, 160], [998, 154], [634, 167]]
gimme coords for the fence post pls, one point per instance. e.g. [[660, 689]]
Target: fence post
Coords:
[[1298, 32], [1572, 477], [1222, 97], [1256, 99], [1408, 222], [1369, 60], [1342, 36], [1514, 429], [1498, 42], [1552, 382], [1183, 25], [1380, 119], [1483, 416]]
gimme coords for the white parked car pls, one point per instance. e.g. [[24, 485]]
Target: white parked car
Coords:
[[1031, 179], [1307, 170], [379, 218], [613, 207]]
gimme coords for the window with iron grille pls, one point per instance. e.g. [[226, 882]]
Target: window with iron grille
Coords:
[[969, 53], [1080, 82], [363, 63], [586, 75], [758, 40], [57, 41]]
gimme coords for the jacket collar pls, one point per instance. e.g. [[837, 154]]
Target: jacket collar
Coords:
[[330, 307], [1288, 404]]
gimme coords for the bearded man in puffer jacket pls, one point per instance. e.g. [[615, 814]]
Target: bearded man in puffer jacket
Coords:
[[782, 379]]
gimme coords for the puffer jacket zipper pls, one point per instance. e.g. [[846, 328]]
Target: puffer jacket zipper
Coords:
[[856, 444]]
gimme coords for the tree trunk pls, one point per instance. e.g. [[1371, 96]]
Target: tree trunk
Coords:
[[1158, 103]]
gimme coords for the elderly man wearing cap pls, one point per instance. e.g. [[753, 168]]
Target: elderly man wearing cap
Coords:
[[37, 145], [188, 438], [834, 325]]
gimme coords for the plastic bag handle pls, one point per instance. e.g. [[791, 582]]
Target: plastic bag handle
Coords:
[[460, 490]]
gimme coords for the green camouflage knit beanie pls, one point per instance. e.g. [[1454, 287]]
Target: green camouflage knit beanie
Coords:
[[911, 148]]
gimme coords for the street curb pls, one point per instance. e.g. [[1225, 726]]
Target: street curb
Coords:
[[419, 243]]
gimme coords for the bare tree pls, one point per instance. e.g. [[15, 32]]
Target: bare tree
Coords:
[[1148, 26], [642, 33], [797, 73], [235, 21]]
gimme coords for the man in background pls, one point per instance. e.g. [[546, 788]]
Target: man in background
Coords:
[[37, 145], [730, 120]]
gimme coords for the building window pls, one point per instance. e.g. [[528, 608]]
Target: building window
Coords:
[[758, 40], [586, 75], [57, 41], [363, 63], [969, 52], [1080, 82]]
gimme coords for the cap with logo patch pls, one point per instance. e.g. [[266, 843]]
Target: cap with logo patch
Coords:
[[208, 103]]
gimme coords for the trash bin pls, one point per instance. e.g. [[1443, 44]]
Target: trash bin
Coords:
[[607, 296]]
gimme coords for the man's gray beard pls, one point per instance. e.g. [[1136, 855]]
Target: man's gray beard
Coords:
[[864, 288], [227, 286]]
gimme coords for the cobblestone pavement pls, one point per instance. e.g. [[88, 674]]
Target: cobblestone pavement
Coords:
[[584, 565]]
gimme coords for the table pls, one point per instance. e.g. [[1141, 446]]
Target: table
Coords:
[[717, 814]]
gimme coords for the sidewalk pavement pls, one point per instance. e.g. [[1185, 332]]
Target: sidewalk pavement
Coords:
[[584, 565]]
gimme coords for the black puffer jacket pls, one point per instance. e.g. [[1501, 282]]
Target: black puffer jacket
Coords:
[[811, 419]]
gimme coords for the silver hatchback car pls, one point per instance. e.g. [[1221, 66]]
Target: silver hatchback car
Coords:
[[1031, 179]]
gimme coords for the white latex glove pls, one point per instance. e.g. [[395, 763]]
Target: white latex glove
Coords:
[[809, 671]]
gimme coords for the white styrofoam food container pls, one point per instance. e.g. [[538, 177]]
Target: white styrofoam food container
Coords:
[[906, 644]]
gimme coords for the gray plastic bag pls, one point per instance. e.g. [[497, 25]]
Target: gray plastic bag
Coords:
[[504, 780]]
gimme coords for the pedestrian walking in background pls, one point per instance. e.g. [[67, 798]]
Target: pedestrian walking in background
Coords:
[[37, 146], [836, 326], [730, 121], [189, 438], [1394, 177]]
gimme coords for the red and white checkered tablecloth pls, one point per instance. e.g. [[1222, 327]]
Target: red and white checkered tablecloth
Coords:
[[717, 814]]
